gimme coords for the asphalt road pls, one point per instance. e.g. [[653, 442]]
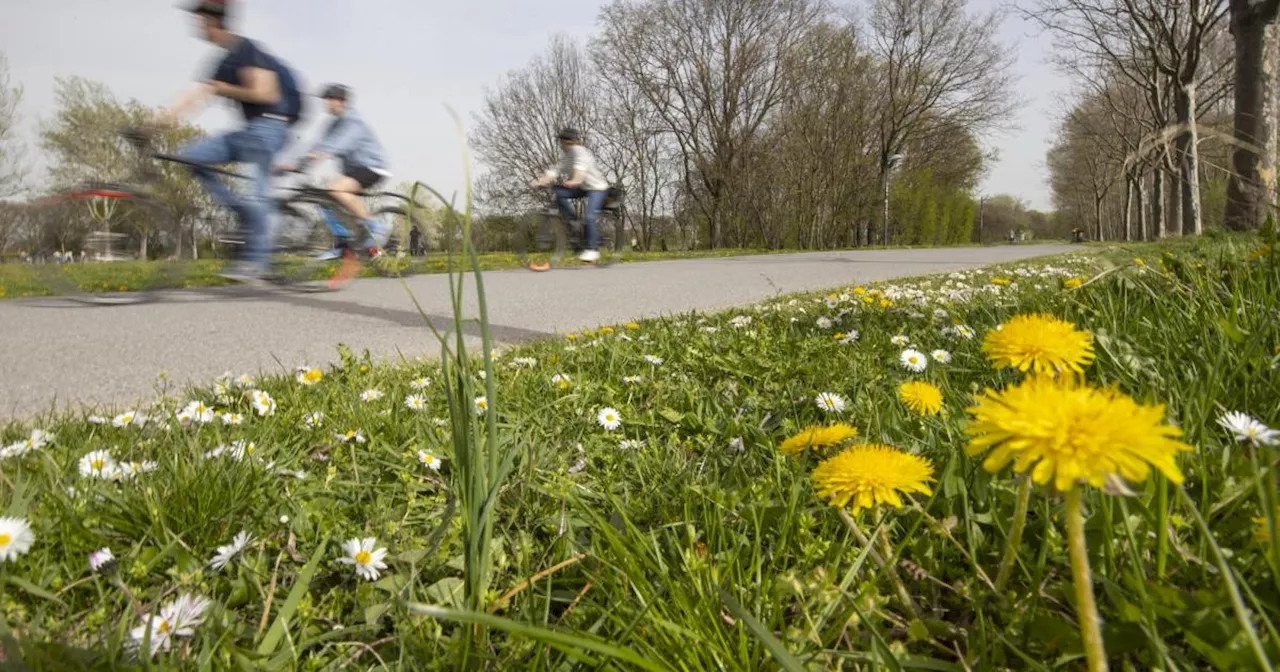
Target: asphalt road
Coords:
[[59, 353]]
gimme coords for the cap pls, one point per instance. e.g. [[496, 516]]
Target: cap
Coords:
[[569, 134], [335, 91], [211, 7]]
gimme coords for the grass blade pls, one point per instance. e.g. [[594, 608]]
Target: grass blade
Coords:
[[780, 653], [300, 586]]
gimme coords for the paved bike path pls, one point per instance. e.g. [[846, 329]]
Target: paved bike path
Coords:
[[57, 352]]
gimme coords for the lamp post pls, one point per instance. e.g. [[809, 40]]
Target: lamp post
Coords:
[[893, 162]]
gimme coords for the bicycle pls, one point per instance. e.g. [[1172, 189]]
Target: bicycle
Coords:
[[544, 235], [299, 237]]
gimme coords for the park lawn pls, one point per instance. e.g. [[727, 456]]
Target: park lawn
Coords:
[[649, 517]]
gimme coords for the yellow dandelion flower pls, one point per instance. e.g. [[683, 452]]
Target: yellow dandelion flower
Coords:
[[885, 303], [921, 397], [871, 474], [606, 331], [859, 290], [817, 437], [571, 337], [1001, 281], [1137, 261], [1067, 433], [1039, 343], [633, 326], [1262, 535], [868, 300], [1073, 283]]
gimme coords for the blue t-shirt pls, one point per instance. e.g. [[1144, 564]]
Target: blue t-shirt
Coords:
[[246, 54]]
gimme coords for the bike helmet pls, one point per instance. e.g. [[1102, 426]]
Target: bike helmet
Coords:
[[569, 134], [336, 91]]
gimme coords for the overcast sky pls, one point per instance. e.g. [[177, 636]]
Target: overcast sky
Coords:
[[405, 59]]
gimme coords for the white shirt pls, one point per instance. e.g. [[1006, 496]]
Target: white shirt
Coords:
[[576, 158]]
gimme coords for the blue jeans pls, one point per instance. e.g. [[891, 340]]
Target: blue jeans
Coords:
[[256, 145], [595, 199]]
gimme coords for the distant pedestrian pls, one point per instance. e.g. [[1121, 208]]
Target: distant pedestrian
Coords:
[[415, 242]]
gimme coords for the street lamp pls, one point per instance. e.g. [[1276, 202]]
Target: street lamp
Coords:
[[892, 163]]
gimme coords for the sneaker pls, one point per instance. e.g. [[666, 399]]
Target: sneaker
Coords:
[[589, 256], [247, 274], [330, 255]]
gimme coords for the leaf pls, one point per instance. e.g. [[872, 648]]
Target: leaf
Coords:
[[917, 631], [672, 415], [300, 586], [392, 583], [1231, 331], [447, 591], [412, 557], [776, 648], [374, 613], [572, 644]]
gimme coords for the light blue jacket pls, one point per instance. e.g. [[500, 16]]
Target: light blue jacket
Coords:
[[350, 139]]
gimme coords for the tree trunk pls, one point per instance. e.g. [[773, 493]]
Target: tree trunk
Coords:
[[142, 248], [1251, 184], [1175, 201], [1188, 160], [1142, 207], [1097, 214], [1128, 207], [1157, 202]]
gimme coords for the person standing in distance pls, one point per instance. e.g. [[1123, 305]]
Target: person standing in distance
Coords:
[[269, 101]]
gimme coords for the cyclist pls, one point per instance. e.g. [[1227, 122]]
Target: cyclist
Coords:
[[579, 177], [269, 101], [351, 140]]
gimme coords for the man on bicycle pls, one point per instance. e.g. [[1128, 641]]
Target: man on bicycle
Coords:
[[352, 142], [579, 177], [269, 101]]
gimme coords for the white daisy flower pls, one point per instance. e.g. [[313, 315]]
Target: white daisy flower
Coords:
[[16, 449], [481, 405], [849, 338], [960, 331], [16, 538], [524, 362], [263, 403], [350, 436], [609, 418], [561, 380], [307, 375], [127, 470], [1248, 429], [440, 422], [229, 418], [415, 402], [711, 330], [831, 402], [913, 360], [653, 359], [741, 321], [177, 619], [824, 323], [941, 356], [578, 466], [40, 438], [900, 340], [227, 553], [428, 460], [97, 420], [128, 418], [313, 420], [362, 555], [630, 444], [420, 383], [100, 559], [632, 380], [371, 395], [940, 313], [98, 464], [236, 450], [185, 418], [245, 380]]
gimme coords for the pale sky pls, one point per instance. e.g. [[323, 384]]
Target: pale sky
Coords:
[[405, 59]]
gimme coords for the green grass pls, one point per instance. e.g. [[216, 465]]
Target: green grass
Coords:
[[699, 547]]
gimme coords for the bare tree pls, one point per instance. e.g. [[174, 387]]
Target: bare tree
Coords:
[[515, 130], [940, 68], [1251, 186], [714, 70], [11, 151]]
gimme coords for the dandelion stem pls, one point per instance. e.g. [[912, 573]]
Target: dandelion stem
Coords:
[[1015, 533], [1162, 526], [1086, 607], [884, 559]]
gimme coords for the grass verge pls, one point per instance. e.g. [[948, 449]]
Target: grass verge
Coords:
[[650, 517]]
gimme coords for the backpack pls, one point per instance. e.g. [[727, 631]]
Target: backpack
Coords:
[[292, 102]]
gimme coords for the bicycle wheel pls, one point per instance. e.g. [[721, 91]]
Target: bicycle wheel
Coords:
[[609, 230], [302, 237], [393, 259], [541, 240], [109, 274]]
